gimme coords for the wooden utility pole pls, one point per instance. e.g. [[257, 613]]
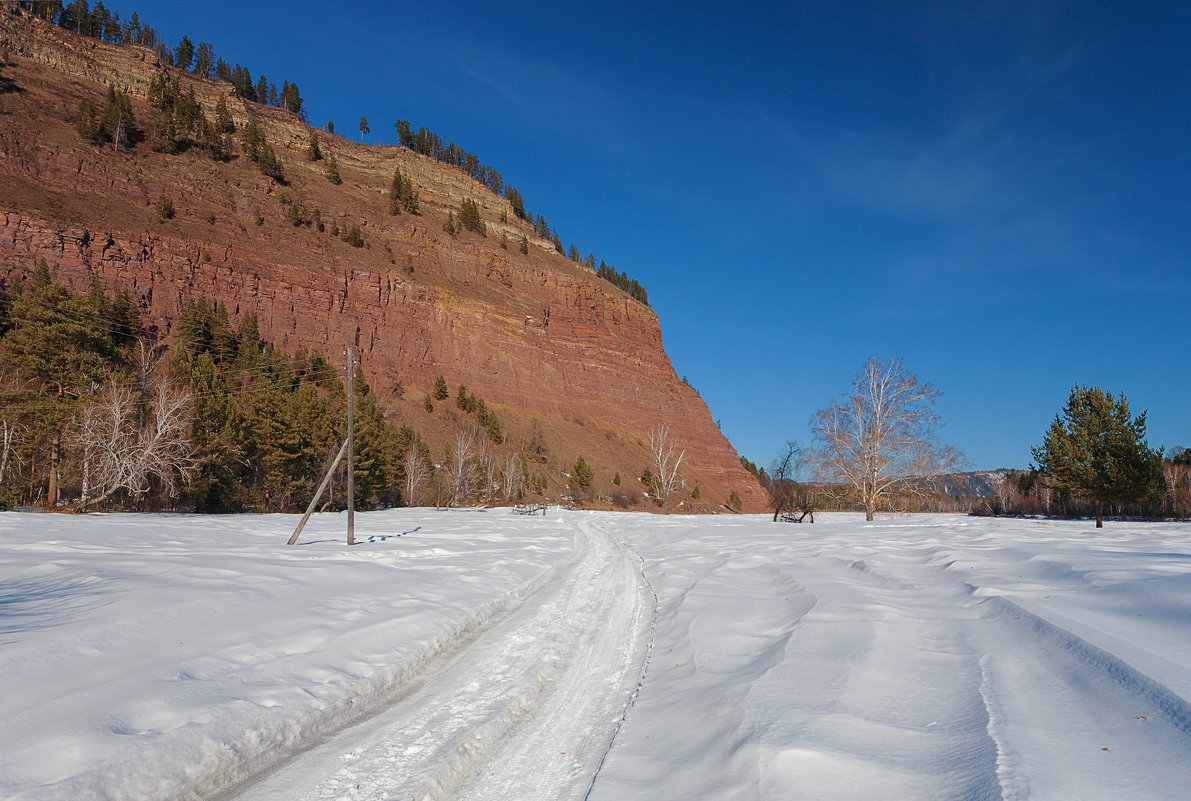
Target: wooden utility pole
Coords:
[[318, 493], [351, 449]]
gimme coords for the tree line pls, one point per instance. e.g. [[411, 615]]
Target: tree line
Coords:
[[99, 22], [876, 449], [428, 143], [97, 413]]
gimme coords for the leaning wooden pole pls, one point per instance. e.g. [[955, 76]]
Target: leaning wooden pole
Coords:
[[351, 449], [319, 493]]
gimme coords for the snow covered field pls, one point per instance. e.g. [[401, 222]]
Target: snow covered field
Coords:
[[483, 655]]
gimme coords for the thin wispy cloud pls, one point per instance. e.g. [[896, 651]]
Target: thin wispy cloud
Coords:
[[539, 95]]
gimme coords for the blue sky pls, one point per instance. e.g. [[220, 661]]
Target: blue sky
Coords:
[[999, 193]]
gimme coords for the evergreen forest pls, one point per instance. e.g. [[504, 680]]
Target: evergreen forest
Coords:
[[97, 414]]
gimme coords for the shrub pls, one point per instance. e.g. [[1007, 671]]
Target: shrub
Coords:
[[165, 208]]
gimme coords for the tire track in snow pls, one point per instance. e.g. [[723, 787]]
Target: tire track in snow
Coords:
[[525, 711], [1051, 696], [213, 760], [1057, 698], [905, 709], [647, 658]]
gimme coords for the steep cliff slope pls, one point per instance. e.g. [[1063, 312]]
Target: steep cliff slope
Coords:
[[560, 354]]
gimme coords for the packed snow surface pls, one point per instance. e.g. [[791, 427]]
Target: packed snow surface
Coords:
[[481, 655]]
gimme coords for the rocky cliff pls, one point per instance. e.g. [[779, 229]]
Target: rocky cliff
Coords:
[[563, 356]]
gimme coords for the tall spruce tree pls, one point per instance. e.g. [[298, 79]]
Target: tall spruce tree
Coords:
[[1096, 450], [59, 347]]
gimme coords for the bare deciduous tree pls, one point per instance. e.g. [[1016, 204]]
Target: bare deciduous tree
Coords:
[[512, 476], [417, 474], [880, 440], [786, 494], [1177, 479], [9, 432], [127, 444], [486, 468], [461, 469], [665, 461]]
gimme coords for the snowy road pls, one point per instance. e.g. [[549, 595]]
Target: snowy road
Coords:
[[525, 710], [478, 655]]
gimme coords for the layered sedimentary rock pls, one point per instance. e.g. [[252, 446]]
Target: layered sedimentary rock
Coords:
[[566, 359]]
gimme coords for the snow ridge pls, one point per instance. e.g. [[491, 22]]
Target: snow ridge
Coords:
[[1176, 710]]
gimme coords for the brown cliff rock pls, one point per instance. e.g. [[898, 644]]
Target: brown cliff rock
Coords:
[[552, 348]]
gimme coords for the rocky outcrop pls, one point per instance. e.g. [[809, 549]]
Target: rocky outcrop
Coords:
[[564, 357]]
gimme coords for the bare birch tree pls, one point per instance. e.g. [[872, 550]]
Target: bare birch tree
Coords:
[[880, 440], [417, 474], [512, 476], [666, 459], [9, 432], [486, 469], [461, 469], [1177, 478]]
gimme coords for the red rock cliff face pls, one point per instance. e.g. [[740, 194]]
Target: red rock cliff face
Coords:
[[559, 353]]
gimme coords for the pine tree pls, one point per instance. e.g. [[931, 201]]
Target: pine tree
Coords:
[[405, 135], [374, 446], [1095, 449], [353, 236], [332, 170], [440, 389], [59, 346], [313, 151], [364, 128], [469, 217], [116, 121], [581, 474], [406, 193], [165, 208], [223, 117], [217, 430], [394, 193], [204, 60], [85, 122], [515, 201], [270, 165], [184, 54], [291, 99], [252, 138]]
